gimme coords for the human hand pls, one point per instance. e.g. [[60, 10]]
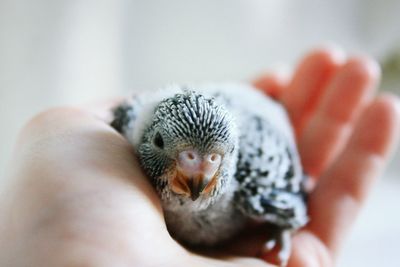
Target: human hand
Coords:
[[75, 195]]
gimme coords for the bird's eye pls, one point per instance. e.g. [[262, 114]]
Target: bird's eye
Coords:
[[158, 141]]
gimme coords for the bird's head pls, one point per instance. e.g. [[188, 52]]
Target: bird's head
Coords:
[[189, 148]]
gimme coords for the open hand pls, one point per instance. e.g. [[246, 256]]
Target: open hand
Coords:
[[75, 195]]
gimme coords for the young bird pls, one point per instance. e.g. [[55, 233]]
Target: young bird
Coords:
[[219, 156]]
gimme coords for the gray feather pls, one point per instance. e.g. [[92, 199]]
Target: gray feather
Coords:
[[261, 177]]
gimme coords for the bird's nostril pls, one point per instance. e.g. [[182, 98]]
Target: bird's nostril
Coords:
[[191, 156], [191, 163], [213, 157], [188, 159]]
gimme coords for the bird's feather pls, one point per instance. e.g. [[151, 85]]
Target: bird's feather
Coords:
[[266, 183]]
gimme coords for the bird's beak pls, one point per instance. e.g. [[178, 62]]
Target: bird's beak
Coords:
[[196, 175], [197, 186], [193, 187]]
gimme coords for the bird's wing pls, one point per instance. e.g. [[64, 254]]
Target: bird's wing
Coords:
[[125, 116], [270, 175]]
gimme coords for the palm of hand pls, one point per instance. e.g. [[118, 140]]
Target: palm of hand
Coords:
[[93, 206]]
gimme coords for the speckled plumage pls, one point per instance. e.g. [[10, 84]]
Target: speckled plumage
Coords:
[[260, 177]]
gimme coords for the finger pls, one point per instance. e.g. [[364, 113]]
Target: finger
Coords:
[[309, 251], [340, 193], [77, 176], [308, 84], [348, 92], [74, 142], [273, 84]]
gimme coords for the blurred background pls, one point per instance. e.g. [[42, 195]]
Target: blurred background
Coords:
[[70, 52]]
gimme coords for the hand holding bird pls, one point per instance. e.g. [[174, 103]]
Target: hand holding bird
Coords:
[[86, 201]]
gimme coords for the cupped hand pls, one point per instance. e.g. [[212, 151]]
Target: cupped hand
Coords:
[[74, 194]]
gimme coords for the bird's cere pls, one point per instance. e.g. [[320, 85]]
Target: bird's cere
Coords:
[[196, 173]]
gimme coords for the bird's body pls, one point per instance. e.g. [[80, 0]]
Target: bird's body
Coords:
[[235, 148]]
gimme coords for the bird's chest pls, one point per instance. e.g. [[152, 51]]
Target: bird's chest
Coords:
[[215, 224]]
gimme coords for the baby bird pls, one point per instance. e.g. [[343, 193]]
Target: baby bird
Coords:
[[219, 156]]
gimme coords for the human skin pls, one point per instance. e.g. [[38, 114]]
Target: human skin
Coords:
[[75, 196]]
